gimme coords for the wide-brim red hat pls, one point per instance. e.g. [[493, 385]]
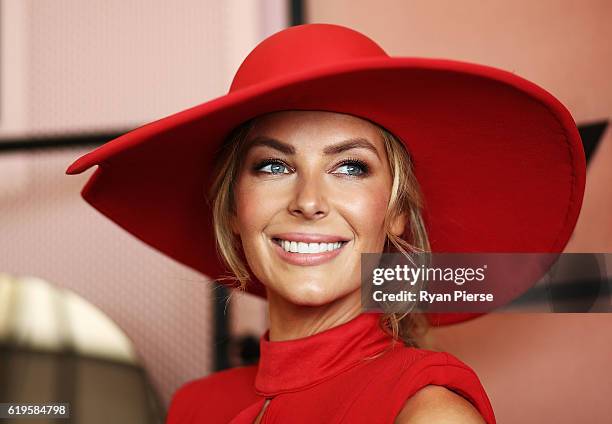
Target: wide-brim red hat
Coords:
[[499, 159]]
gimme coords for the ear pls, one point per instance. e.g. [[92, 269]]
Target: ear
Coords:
[[398, 225]]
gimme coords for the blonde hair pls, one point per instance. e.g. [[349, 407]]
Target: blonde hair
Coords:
[[405, 198]]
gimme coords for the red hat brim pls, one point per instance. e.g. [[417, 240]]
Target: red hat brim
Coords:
[[499, 160]]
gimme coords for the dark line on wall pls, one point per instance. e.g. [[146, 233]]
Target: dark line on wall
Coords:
[[297, 14], [57, 142], [221, 336], [591, 135]]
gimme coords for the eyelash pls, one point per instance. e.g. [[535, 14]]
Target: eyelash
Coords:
[[348, 161], [269, 161], [365, 169]]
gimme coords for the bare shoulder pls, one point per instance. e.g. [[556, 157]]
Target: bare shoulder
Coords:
[[440, 405]]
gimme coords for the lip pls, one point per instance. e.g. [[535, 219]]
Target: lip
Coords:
[[310, 237], [308, 259]]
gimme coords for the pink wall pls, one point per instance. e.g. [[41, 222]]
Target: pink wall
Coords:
[[536, 367]]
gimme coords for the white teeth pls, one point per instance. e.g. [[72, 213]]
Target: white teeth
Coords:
[[301, 247]]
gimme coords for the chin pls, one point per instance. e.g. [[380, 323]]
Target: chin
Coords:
[[311, 293]]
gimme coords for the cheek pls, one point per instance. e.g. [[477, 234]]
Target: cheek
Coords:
[[255, 207], [247, 213], [365, 210]]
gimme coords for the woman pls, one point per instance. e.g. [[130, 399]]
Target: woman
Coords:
[[326, 148]]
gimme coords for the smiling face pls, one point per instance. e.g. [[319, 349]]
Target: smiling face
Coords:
[[311, 195]]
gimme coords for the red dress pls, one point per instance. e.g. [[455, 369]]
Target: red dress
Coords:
[[326, 378]]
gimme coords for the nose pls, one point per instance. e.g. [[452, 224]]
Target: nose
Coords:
[[309, 198]]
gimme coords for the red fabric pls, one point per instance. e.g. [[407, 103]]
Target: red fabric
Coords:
[[326, 378]]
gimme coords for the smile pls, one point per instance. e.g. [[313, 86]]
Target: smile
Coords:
[[307, 249]]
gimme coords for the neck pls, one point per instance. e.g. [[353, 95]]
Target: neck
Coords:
[[290, 321]]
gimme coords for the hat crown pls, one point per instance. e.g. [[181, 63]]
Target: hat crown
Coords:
[[301, 48]]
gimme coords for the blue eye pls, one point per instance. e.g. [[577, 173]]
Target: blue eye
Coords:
[[349, 167], [274, 168], [352, 168]]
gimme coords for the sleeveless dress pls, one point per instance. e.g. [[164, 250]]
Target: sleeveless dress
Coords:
[[352, 373]]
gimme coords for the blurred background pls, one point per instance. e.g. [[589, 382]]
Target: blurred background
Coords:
[[75, 74]]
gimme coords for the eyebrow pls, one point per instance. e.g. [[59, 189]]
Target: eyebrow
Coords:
[[351, 143], [334, 149]]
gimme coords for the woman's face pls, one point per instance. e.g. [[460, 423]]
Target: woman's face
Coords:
[[311, 196]]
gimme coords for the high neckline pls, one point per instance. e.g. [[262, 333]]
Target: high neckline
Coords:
[[293, 365]]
